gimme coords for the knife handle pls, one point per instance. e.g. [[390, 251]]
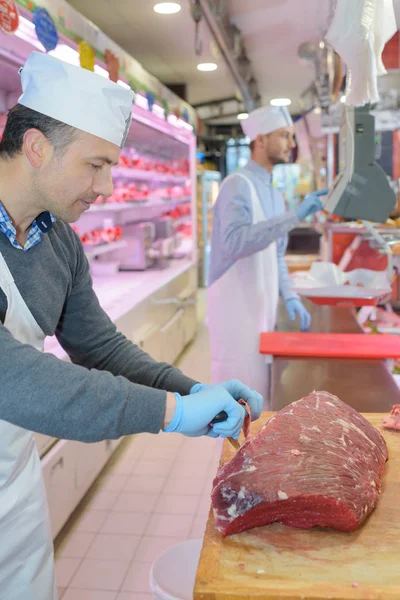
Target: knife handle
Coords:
[[219, 418]]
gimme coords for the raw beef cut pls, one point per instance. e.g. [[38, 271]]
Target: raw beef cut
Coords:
[[393, 420], [316, 462]]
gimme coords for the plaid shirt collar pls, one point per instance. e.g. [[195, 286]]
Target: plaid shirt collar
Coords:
[[7, 227]]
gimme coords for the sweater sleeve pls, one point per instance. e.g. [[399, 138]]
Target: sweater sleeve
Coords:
[[44, 394]]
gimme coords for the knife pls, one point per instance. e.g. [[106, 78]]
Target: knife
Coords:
[[219, 418]]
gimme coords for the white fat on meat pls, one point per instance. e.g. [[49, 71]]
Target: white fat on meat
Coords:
[[348, 426], [282, 495]]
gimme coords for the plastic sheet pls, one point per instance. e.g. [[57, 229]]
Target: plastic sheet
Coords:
[[359, 32], [326, 280]]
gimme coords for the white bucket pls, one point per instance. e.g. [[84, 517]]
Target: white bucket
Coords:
[[173, 573]]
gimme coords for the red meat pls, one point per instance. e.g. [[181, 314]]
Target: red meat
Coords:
[[316, 462], [393, 420]]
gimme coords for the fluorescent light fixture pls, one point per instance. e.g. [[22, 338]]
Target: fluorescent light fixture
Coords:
[[242, 116], [185, 125], [141, 101], [99, 70], [26, 32], [207, 67], [71, 56], [123, 84], [280, 102], [167, 8], [67, 54], [173, 120], [158, 110]]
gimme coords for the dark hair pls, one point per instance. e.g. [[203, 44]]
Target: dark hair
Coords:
[[20, 119], [252, 145]]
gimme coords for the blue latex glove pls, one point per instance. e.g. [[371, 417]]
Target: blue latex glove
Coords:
[[239, 390], [310, 205], [296, 308], [193, 415]]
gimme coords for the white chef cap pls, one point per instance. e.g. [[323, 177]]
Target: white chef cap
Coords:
[[77, 97], [265, 120]]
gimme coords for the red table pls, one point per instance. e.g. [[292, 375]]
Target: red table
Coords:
[[319, 346], [330, 345]]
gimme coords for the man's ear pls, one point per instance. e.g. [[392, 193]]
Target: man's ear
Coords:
[[259, 141], [37, 148]]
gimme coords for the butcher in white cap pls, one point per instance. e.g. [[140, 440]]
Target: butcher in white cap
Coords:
[[248, 245], [56, 153]]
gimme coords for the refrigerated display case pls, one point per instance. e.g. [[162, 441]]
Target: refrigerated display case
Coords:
[[208, 184], [148, 227]]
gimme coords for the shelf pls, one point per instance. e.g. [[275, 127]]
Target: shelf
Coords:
[[149, 176], [183, 220], [139, 204], [104, 248], [127, 213], [356, 228]]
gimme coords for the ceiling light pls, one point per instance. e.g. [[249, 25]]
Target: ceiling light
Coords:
[[280, 102], [343, 99], [242, 116], [207, 67], [167, 8], [141, 101], [317, 110]]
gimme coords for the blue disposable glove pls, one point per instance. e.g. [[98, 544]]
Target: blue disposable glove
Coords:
[[194, 414], [239, 390], [310, 205], [295, 308]]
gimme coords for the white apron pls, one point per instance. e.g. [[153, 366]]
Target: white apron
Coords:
[[242, 304], [26, 547]]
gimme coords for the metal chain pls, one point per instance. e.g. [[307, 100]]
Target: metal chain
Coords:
[[197, 16], [331, 14]]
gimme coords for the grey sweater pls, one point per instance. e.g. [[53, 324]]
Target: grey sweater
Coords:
[[112, 388]]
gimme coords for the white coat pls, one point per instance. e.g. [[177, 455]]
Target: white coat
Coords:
[[241, 304]]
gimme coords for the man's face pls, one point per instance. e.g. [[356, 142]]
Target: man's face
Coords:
[[279, 145], [69, 182]]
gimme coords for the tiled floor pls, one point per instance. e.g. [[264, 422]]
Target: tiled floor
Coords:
[[153, 494]]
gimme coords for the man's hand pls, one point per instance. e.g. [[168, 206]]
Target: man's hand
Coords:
[[238, 390], [194, 415], [310, 205], [295, 309]]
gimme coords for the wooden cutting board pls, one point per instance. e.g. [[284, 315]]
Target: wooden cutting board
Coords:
[[278, 562]]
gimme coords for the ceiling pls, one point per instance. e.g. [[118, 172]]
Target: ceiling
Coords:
[[164, 45], [272, 30]]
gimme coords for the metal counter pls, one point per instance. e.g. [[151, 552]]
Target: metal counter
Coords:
[[367, 386]]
